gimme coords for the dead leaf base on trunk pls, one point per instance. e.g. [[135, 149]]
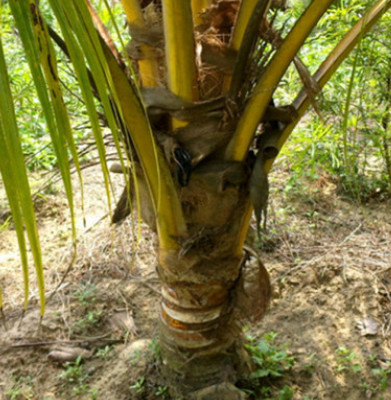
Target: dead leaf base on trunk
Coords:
[[200, 332]]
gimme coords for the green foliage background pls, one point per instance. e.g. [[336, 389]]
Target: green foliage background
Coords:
[[351, 138]]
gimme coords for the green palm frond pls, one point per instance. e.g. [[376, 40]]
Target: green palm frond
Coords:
[[265, 87], [16, 184]]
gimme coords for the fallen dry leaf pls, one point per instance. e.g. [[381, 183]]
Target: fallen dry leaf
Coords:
[[67, 354], [123, 322], [368, 327]]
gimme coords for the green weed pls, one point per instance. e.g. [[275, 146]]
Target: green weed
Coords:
[[74, 372], [310, 363], [6, 224], [286, 393], [135, 357], [384, 374], [93, 394], [139, 386], [86, 294], [104, 353], [272, 360], [162, 391], [155, 349], [347, 360], [20, 388], [75, 375], [87, 322]]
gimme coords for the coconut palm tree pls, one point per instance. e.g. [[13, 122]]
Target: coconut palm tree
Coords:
[[190, 101]]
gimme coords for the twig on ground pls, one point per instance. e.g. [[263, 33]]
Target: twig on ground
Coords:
[[350, 234], [51, 342]]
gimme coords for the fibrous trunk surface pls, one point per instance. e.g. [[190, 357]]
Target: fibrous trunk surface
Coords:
[[205, 291]]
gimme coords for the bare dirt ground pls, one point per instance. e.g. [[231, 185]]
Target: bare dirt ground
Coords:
[[330, 265]]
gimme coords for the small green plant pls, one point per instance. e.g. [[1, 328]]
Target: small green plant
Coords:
[[155, 349], [6, 224], [286, 393], [73, 371], [88, 321], [347, 360], [384, 374], [265, 392], [271, 360], [135, 357], [104, 353], [93, 394], [74, 374], [81, 389], [310, 363], [86, 294], [162, 391], [21, 388], [139, 386], [368, 388]]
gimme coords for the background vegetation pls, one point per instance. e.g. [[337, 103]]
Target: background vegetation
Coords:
[[349, 137]]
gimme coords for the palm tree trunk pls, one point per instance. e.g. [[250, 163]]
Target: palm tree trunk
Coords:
[[204, 297], [199, 337]]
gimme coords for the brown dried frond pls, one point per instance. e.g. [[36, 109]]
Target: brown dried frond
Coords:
[[223, 15], [210, 82], [151, 34], [210, 45], [220, 18], [252, 293], [262, 54], [145, 3]]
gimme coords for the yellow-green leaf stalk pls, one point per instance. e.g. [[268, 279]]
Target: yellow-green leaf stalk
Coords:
[[245, 11], [169, 216], [265, 87], [83, 17], [168, 211], [321, 76], [148, 67], [332, 62], [198, 6], [80, 68], [180, 50]]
